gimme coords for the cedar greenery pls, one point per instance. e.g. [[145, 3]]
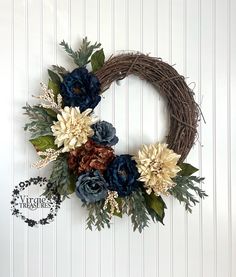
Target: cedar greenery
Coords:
[[41, 121], [135, 206], [185, 184], [60, 70], [61, 180], [81, 57]]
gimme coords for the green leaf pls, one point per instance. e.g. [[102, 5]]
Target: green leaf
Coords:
[[60, 70], [119, 201], [156, 203], [71, 185], [54, 87], [187, 169], [43, 143], [97, 60], [51, 113], [54, 77]]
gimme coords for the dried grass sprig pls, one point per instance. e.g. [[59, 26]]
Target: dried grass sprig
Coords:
[[48, 97]]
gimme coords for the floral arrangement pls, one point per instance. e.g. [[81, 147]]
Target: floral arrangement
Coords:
[[66, 132]]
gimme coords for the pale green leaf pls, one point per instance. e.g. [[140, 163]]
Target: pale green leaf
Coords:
[[97, 60], [43, 143]]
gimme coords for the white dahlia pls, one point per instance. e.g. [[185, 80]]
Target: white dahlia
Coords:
[[157, 165], [73, 128]]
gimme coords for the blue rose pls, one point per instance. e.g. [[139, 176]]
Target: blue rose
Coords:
[[122, 175], [104, 133], [91, 187], [80, 89]]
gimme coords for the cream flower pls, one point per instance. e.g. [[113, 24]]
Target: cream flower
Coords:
[[157, 165], [73, 128]]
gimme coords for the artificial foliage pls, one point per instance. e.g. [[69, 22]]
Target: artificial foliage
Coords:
[[66, 132]]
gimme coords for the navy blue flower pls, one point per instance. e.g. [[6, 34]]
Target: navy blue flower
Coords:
[[122, 175], [91, 187], [80, 89], [104, 133]]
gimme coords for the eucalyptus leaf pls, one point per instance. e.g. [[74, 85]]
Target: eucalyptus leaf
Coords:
[[187, 169], [43, 143], [97, 216], [97, 60]]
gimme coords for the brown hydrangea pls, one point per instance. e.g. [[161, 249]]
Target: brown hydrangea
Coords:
[[90, 156]]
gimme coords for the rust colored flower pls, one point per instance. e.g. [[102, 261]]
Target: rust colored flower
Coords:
[[90, 156]]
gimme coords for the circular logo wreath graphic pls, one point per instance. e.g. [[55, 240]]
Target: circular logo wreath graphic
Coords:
[[65, 131], [19, 201]]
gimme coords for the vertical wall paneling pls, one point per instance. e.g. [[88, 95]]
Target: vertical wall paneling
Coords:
[[192, 72], [198, 38], [177, 58], [6, 169], [47, 58], [232, 128], [105, 34]]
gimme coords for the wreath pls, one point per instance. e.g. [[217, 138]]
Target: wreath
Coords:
[[65, 131]]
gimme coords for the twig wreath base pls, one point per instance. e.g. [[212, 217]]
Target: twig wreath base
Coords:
[[183, 110], [66, 132]]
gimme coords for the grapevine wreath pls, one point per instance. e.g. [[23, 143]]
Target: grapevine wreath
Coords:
[[65, 131]]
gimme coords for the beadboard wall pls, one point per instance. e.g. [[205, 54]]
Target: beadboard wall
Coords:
[[197, 37]]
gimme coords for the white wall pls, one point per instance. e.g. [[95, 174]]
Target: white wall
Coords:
[[199, 37]]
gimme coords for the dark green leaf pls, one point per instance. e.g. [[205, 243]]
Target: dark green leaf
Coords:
[[54, 87], [54, 77], [97, 60], [187, 169], [43, 143], [71, 185], [51, 113], [156, 203]]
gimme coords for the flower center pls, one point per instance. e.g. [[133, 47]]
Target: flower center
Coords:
[[157, 166], [76, 90], [122, 173]]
